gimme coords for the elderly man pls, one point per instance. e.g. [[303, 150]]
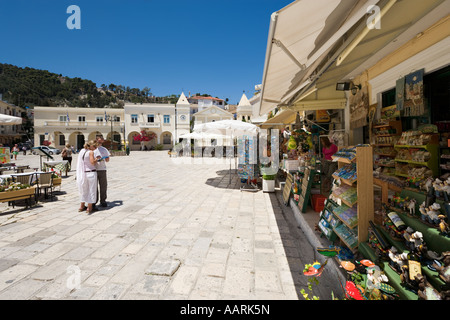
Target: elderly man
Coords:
[[102, 153]]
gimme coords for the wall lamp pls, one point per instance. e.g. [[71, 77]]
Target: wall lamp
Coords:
[[343, 86]]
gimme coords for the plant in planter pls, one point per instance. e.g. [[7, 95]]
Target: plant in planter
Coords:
[[269, 182], [56, 177]]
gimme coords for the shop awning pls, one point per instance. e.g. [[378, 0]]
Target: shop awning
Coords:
[[321, 44], [300, 36], [280, 120], [9, 120]]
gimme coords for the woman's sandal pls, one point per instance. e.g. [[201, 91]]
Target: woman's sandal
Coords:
[[82, 209]]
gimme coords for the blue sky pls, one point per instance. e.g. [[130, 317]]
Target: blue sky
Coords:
[[207, 46]]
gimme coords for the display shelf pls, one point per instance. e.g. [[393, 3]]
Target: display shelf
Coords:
[[348, 215], [344, 160], [347, 195], [432, 163], [346, 181], [354, 215], [444, 160], [347, 236], [385, 135]]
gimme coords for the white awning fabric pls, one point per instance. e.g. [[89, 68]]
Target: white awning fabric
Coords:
[[280, 120], [9, 120], [300, 36]]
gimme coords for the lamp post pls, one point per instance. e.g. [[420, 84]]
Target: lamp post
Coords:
[[111, 119]]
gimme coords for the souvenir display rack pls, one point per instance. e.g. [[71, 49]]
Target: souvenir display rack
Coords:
[[343, 213], [435, 244], [385, 136], [417, 155]]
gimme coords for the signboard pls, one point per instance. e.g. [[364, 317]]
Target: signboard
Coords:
[[5, 156], [322, 116], [287, 188]]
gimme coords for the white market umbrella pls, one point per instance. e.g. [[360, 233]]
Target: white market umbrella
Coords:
[[7, 120], [200, 135], [227, 127], [230, 128]]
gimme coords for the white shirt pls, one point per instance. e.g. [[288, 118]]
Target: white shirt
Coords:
[[101, 152]]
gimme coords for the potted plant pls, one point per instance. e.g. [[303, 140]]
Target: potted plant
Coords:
[[56, 178], [268, 183]]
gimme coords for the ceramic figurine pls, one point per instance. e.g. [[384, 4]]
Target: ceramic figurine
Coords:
[[443, 226], [437, 185], [433, 214], [446, 187], [397, 260], [412, 207], [423, 212], [426, 185], [414, 241], [444, 270], [426, 291]]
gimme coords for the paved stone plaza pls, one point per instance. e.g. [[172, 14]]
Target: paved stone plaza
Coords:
[[171, 231]]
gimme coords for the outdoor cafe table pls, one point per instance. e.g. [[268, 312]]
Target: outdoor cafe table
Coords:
[[62, 165], [33, 179]]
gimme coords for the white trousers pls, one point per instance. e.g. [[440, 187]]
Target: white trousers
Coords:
[[88, 189]]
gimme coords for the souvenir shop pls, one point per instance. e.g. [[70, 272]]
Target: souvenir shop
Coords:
[[385, 214]]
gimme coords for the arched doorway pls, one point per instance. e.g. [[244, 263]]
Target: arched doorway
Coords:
[[93, 135], [167, 140], [77, 140]]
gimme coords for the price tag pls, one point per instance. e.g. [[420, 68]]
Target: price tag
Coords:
[[414, 269]]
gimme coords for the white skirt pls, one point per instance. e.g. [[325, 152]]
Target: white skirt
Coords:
[[88, 189]]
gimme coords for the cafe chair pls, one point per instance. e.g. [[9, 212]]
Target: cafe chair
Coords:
[[45, 182], [23, 179]]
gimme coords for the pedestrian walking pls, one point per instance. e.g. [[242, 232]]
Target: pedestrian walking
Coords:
[[67, 154], [87, 177], [15, 151], [102, 153]]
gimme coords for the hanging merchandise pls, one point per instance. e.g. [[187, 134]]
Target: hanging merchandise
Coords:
[[292, 144], [359, 108], [247, 167], [400, 93], [414, 104]]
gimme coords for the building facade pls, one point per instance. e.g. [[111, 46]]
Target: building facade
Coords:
[[9, 134], [61, 125], [164, 122]]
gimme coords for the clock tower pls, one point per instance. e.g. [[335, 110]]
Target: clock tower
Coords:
[[182, 113]]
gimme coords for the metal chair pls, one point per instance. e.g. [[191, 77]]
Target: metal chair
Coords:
[[45, 182], [23, 178]]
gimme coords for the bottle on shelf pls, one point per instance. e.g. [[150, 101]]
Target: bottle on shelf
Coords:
[[397, 221]]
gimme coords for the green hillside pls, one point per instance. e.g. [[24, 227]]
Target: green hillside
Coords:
[[33, 87]]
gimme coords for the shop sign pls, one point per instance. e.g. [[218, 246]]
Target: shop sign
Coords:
[[322, 116], [78, 129]]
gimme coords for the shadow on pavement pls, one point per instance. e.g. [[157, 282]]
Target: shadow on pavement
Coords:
[[300, 252]]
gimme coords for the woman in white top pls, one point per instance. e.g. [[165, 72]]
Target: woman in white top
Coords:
[[87, 177]]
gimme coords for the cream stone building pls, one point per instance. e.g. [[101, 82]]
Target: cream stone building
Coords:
[[165, 121], [61, 125], [10, 133]]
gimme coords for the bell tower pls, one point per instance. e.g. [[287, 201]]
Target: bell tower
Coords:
[[182, 113]]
